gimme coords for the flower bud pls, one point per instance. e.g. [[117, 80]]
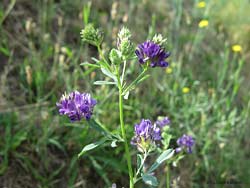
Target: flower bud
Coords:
[[127, 48], [124, 34], [158, 39], [124, 44], [91, 35], [115, 56]]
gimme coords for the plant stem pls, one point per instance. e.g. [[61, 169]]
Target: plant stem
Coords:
[[168, 176], [127, 153], [103, 57], [123, 71]]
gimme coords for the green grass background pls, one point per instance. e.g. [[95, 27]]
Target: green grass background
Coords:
[[40, 56]]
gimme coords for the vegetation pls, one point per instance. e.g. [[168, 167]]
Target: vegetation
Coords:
[[204, 91]]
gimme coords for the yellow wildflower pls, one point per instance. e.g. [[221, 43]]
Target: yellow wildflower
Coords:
[[173, 65], [203, 23], [185, 90], [201, 4], [236, 48], [169, 70]]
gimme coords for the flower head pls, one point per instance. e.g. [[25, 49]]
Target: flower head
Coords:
[[236, 48], [146, 134], [169, 70], [91, 35], [152, 53], [185, 142], [201, 4], [161, 122], [203, 23], [124, 45], [76, 105], [158, 39], [185, 90]]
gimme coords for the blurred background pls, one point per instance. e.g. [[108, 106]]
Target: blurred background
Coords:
[[205, 90]]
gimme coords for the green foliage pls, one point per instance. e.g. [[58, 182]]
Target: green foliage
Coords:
[[36, 144], [115, 57], [163, 157]]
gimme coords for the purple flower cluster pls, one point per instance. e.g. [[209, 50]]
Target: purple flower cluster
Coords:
[[146, 134], [185, 142], [76, 105], [163, 122], [152, 52]]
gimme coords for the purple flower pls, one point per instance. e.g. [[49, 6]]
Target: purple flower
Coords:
[[146, 134], [163, 122], [185, 142], [76, 105], [152, 52]]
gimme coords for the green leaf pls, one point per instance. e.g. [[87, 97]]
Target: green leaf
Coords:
[[166, 137], [143, 78], [95, 60], [90, 65], [150, 180], [163, 157], [101, 63], [100, 170], [91, 146], [18, 139], [139, 79], [57, 144], [86, 13], [5, 51], [8, 10], [109, 74], [97, 126], [139, 160], [104, 83]]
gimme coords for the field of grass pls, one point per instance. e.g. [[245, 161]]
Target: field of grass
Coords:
[[204, 91]]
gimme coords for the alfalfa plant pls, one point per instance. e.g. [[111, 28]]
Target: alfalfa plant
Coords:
[[149, 137]]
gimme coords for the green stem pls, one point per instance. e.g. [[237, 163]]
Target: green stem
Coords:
[[123, 71], [127, 153], [103, 57], [168, 176], [135, 81]]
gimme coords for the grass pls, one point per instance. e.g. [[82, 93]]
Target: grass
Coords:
[[40, 55]]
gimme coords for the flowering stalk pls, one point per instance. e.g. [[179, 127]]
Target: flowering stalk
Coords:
[[148, 136], [127, 152]]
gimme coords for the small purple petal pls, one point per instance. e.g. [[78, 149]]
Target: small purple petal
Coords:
[[163, 122]]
